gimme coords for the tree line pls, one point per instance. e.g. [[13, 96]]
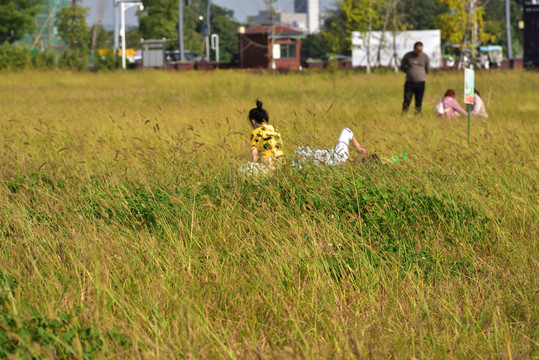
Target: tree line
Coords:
[[160, 20], [452, 17]]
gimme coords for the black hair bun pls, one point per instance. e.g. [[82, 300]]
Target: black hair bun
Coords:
[[258, 114]]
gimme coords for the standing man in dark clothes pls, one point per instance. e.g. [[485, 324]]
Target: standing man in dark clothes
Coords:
[[416, 66]]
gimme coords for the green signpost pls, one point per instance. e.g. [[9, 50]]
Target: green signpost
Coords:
[[469, 80]]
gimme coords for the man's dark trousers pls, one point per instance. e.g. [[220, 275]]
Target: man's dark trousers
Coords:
[[411, 89]]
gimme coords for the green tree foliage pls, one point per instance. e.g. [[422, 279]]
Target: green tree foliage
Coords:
[[222, 24], [132, 37], [364, 16], [348, 16], [317, 46], [360, 14], [447, 15], [490, 19], [16, 18], [103, 40], [110, 61], [330, 40], [495, 23], [72, 28], [14, 57], [420, 14], [457, 23], [160, 20], [104, 37], [333, 35], [45, 60]]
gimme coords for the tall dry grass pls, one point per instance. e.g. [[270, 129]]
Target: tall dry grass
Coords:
[[126, 231]]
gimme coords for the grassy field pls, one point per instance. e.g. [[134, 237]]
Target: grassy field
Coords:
[[126, 231]]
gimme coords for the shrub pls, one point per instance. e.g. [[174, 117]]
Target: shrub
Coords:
[[14, 57], [108, 62], [45, 60], [74, 60]]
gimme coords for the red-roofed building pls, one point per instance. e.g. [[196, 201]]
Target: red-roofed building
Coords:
[[254, 48]]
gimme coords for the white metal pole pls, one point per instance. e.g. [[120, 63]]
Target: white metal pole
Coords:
[[122, 32], [209, 30]]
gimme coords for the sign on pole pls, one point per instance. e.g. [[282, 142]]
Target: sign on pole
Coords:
[[215, 46], [276, 51], [469, 79]]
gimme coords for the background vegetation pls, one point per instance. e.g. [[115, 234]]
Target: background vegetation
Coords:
[[16, 17], [72, 28], [125, 230], [450, 16], [160, 20]]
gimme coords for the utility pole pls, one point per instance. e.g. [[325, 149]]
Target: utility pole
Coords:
[[473, 6], [180, 30], [470, 37], [395, 23], [508, 33], [209, 30]]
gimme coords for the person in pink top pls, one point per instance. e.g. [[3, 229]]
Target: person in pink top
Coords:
[[450, 106]]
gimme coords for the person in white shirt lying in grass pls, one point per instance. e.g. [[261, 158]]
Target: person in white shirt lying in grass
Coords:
[[267, 148], [336, 156]]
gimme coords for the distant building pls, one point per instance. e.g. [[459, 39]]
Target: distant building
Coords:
[[305, 18], [294, 21], [300, 6], [45, 35], [254, 48], [313, 16], [312, 9]]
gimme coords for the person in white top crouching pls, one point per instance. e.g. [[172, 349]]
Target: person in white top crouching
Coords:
[[479, 109]]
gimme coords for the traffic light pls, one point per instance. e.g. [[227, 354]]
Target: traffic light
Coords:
[[187, 2]]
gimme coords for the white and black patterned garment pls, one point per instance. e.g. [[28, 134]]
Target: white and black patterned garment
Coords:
[[330, 157]]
